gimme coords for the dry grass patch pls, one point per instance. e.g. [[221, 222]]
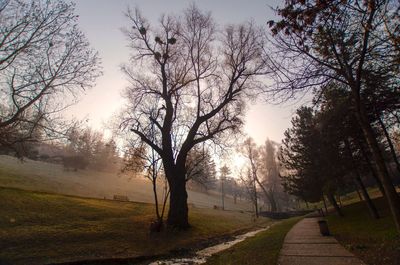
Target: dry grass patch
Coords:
[[39, 228]]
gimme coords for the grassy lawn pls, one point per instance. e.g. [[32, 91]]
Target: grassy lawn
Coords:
[[42, 176], [37, 228], [263, 249], [346, 199], [376, 242]]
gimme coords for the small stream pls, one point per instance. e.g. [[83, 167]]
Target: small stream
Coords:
[[201, 256]]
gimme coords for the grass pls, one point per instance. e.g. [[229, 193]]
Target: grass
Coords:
[[263, 248], [38, 228], [353, 197], [48, 177], [374, 241], [347, 199]]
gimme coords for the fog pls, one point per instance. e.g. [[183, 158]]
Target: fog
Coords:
[[50, 177]]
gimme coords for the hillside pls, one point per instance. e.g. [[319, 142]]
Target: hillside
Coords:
[[42, 176], [41, 228]]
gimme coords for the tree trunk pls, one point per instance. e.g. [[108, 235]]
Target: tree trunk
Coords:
[[154, 181], [370, 204], [272, 202], [255, 196], [256, 203], [332, 200], [391, 147], [371, 168], [359, 194], [178, 208], [222, 193], [268, 194], [326, 208], [390, 191], [164, 203], [340, 201]]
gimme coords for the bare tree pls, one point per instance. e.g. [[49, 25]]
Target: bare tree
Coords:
[[44, 60], [188, 80], [263, 167], [224, 175], [270, 177], [143, 159], [249, 184]]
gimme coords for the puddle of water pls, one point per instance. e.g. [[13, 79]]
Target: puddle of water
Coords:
[[201, 256]]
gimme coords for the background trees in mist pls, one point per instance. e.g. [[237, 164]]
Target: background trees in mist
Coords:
[[263, 172], [93, 148]]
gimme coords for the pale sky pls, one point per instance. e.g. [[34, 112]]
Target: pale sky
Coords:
[[102, 20]]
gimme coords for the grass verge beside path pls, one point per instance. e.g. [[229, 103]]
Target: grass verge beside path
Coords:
[[40, 228], [262, 249], [376, 242]]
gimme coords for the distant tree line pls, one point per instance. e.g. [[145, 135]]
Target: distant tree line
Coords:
[[262, 176], [93, 150], [83, 148]]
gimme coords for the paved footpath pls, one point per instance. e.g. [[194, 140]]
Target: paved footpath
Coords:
[[306, 246]]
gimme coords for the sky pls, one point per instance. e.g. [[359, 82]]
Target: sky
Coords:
[[102, 21]]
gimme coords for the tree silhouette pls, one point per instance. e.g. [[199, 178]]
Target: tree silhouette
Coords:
[[188, 81], [345, 41], [44, 60]]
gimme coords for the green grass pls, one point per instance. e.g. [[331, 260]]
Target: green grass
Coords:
[[374, 241], [353, 197], [263, 248], [347, 199], [37, 228]]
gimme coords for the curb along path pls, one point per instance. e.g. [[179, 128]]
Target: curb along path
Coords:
[[305, 245]]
